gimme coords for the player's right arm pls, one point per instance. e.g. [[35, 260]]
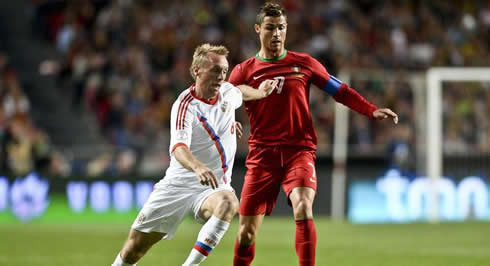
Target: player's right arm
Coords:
[[265, 89], [181, 123], [203, 174], [249, 93]]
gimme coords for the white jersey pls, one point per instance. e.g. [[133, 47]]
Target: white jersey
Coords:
[[207, 128]]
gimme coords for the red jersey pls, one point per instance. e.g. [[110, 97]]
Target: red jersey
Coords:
[[284, 116]]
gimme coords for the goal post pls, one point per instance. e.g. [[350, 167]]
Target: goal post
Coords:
[[435, 77], [428, 90], [339, 157], [341, 132]]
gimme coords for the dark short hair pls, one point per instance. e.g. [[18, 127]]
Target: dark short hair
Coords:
[[270, 9]]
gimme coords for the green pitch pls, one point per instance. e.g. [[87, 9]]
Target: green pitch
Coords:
[[338, 244]]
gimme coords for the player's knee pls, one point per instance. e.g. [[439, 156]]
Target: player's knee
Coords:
[[227, 208], [246, 235], [303, 208]]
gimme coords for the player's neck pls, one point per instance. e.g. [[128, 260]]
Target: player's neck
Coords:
[[200, 94], [268, 54]]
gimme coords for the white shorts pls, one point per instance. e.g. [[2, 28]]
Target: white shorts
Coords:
[[169, 204]]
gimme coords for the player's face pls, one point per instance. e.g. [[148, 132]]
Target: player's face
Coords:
[[212, 74], [272, 33]]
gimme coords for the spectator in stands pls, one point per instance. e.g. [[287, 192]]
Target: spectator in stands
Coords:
[[23, 146], [138, 50]]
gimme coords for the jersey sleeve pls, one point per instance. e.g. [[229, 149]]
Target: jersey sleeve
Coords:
[[233, 94], [181, 122], [340, 91], [237, 75], [322, 79]]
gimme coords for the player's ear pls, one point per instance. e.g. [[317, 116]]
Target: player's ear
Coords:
[[196, 71], [257, 28]]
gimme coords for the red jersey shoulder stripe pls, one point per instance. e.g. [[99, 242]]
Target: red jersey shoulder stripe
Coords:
[[181, 108], [184, 113]]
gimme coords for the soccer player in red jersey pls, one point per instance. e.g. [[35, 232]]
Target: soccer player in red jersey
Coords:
[[282, 138]]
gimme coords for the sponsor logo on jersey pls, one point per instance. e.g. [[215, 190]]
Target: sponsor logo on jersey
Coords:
[[181, 135], [257, 77]]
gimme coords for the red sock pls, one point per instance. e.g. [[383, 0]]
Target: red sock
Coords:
[[243, 254], [305, 242]]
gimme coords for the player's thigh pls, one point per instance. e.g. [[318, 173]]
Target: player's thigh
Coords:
[[300, 172], [259, 191], [164, 210], [220, 198], [262, 180]]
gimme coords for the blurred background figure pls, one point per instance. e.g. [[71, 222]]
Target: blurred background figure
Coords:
[[86, 88], [113, 67]]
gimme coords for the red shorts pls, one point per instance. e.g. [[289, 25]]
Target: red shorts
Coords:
[[269, 168]]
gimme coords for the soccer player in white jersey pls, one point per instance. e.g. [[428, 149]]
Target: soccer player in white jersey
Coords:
[[202, 148]]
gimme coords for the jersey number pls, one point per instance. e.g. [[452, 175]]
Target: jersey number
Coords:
[[281, 83]]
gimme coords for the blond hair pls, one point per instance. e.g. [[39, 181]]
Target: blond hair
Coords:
[[201, 55]]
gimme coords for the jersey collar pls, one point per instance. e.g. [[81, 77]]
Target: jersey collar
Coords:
[[211, 102], [272, 59]]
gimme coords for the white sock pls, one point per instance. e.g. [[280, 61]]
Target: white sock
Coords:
[[209, 236], [120, 262]]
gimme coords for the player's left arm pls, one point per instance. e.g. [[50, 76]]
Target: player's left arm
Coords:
[[383, 113], [347, 96], [352, 99]]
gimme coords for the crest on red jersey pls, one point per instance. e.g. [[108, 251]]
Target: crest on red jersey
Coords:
[[295, 68]]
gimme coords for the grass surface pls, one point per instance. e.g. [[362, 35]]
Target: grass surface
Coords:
[[338, 244]]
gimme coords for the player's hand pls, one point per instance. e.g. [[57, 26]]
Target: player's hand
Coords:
[[380, 114], [206, 176], [267, 86], [239, 129]]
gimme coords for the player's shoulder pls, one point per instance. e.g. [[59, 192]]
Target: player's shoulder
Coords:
[[299, 56], [246, 64], [226, 86], [228, 90], [184, 97]]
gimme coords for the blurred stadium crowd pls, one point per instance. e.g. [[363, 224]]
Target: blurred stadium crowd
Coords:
[[23, 145], [127, 60]]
